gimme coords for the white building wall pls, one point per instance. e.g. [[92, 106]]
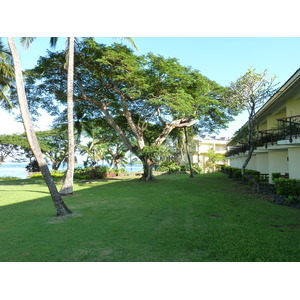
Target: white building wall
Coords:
[[278, 162], [237, 162], [252, 163], [262, 163], [294, 162]]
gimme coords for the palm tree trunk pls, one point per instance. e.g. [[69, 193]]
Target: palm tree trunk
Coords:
[[67, 188], [61, 208]]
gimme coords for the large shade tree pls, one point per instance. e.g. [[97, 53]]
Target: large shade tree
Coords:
[[61, 208], [152, 94]]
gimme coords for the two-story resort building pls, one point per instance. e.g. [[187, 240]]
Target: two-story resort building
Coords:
[[277, 146], [203, 145]]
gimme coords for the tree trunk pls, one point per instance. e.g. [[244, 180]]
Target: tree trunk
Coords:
[[67, 188], [188, 153], [61, 208], [148, 169], [247, 159]]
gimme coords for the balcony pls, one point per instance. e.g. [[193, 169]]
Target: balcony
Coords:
[[289, 128], [287, 131]]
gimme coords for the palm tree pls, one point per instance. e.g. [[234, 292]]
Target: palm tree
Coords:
[[6, 75], [67, 187], [61, 208]]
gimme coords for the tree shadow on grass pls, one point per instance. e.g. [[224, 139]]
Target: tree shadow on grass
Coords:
[[132, 221]]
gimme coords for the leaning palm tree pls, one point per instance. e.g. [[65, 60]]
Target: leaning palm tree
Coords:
[[61, 208]]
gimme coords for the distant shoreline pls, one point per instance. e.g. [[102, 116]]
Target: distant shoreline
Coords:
[[18, 169]]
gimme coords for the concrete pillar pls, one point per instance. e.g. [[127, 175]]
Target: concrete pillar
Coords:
[[294, 162]]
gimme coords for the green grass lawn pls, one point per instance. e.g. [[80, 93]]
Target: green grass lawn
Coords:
[[175, 218]]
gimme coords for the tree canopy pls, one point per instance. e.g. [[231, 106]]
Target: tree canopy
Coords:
[[153, 95]]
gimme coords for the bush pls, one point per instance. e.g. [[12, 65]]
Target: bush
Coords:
[[118, 172], [8, 178], [230, 170], [237, 174], [89, 173], [196, 169], [275, 176], [287, 187], [54, 174], [255, 174], [37, 175], [168, 166], [184, 168]]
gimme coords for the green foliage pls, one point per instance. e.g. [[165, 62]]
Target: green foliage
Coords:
[[54, 174], [152, 94], [237, 174], [120, 171], [287, 187], [275, 176], [230, 170], [98, 172], [196, 168], [6, 76], [3, 178], [169, 167], [254, 173], [213, 158]]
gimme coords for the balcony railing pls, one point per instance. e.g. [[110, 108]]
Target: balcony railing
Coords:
[[288, 129], [264, 137]]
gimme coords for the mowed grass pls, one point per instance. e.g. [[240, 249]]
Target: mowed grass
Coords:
[[175, 218]]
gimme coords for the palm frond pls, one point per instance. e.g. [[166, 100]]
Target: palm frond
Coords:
[[26, 41], [130, 40], [53, 42]]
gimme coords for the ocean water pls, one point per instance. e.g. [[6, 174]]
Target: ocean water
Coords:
[[19, 171]]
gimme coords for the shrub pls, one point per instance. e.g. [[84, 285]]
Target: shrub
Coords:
[[168, 166], [231, 170], [54, 174], [184, 168], [293, 199], [8, 178], [90, 172], [119, 171], [196, 169], [237, 174], [275, 176], [287, 187], [37, 175], [255, 174]]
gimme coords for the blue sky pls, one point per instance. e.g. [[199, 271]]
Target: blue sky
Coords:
[[222, 59]]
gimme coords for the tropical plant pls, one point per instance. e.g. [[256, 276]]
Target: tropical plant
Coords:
[[212, 159], [151, 94], [61, 208], [6, 76]]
